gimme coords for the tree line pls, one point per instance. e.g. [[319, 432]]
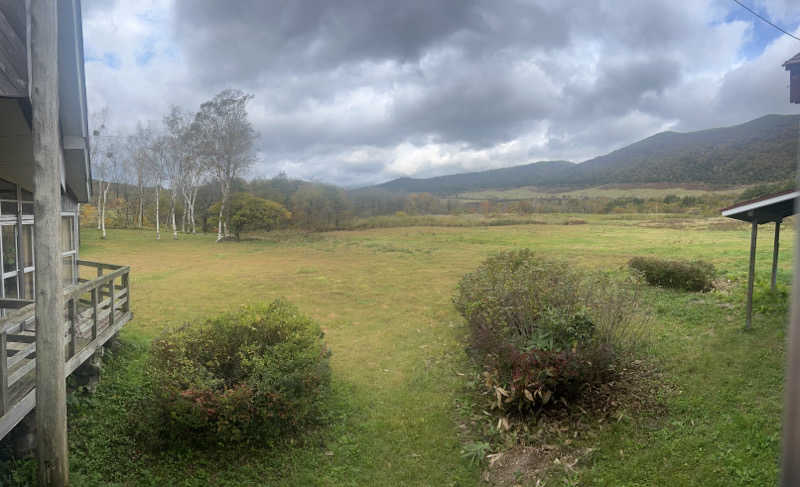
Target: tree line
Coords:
[[187, 173], [214, 145]]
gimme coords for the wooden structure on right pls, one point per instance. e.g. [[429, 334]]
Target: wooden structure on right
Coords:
[[793, 66], [772, 208]]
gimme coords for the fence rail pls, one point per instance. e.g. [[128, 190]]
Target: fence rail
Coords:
[[95, 309]]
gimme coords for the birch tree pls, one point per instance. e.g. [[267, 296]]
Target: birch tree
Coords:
[[159, 163], [141, 146], [226, 142], [179, 154], [105, 153], [194, 172]]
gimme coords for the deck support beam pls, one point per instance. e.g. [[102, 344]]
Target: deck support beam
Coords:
[[775, 246], [751, 275], [51, 393]]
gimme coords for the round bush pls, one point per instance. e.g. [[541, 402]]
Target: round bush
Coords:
[[695, 275], [253, 374], [543, 330]]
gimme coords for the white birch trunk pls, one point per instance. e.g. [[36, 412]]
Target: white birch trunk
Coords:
[[172, 216], [219, 222], [158, 219], [99, 202], [103, 212], [141, 206]]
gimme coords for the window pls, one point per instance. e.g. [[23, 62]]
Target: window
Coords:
[[68, 248], [67, 233], [9, 237], [69, 270], [10, 287], [17, 260], [27, 246], [27, 285]]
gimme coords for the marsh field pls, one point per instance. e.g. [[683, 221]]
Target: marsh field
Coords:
[[401, 409]]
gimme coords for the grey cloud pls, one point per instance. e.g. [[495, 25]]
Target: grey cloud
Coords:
[[559, 79]]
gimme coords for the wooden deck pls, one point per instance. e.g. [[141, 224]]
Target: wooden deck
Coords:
[[95, 309]]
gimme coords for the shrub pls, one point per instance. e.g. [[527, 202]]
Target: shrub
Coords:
[[250, 213], [542, 330], [691, 276], [253, 374]]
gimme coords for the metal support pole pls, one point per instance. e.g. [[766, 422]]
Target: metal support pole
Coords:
[[775, 246], [752, 273], [51, 393]]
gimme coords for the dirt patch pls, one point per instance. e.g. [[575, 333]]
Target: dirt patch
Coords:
[[527, 465], [558, 441]]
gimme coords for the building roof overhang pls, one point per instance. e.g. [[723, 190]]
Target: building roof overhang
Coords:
[[73, 116], [769, 208]]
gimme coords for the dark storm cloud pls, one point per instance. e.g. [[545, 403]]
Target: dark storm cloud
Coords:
[[239, 40], [243, 39], [357, 91]]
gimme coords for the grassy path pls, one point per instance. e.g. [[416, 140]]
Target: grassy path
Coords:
[[383, 297]]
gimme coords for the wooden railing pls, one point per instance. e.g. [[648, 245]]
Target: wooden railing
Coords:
[[95, 309]]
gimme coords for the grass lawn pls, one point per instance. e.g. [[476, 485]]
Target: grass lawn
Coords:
[[384, 298]]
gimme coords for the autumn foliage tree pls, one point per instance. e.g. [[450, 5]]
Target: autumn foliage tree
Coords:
[[250, 213]]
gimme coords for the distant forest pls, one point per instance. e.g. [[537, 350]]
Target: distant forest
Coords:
[[761, 154], [320, 207]]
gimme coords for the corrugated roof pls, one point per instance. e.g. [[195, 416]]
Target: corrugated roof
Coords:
[[771, 207], [756, 200], [792, 61]]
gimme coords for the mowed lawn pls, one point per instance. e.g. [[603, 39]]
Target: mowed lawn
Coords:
[[383, 297]]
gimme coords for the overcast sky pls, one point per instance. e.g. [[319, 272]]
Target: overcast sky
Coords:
[[355, 92]]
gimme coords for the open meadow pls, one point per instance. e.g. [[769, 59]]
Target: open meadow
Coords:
[[401, 376], [609, 191]]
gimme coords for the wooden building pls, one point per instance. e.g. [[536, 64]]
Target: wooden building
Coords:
[[95, 295], [772, 208], [793, 66]]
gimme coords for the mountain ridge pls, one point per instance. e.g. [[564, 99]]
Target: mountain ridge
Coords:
[[760, 150]]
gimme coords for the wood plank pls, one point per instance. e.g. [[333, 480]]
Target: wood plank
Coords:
[[90, 347], [22, 338], [4, 399], [20, 355], [751, 273], [94, 313], [21, 372], [17, 412], [775, 248], [13, 60], [9, 303]]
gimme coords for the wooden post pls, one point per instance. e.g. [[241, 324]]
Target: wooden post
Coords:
[[94, 313], [752, 273], [775, 246], [72, 314], [111, 299], [3, 373], [20, 250], [51, 393], [126, 286]]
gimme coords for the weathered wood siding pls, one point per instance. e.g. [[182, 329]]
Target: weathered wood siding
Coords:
[[13, 50]]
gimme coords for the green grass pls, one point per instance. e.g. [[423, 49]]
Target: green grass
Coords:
[[384, 299], [611, 191]]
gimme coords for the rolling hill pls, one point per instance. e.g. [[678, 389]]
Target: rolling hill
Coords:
[[761, 150]]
